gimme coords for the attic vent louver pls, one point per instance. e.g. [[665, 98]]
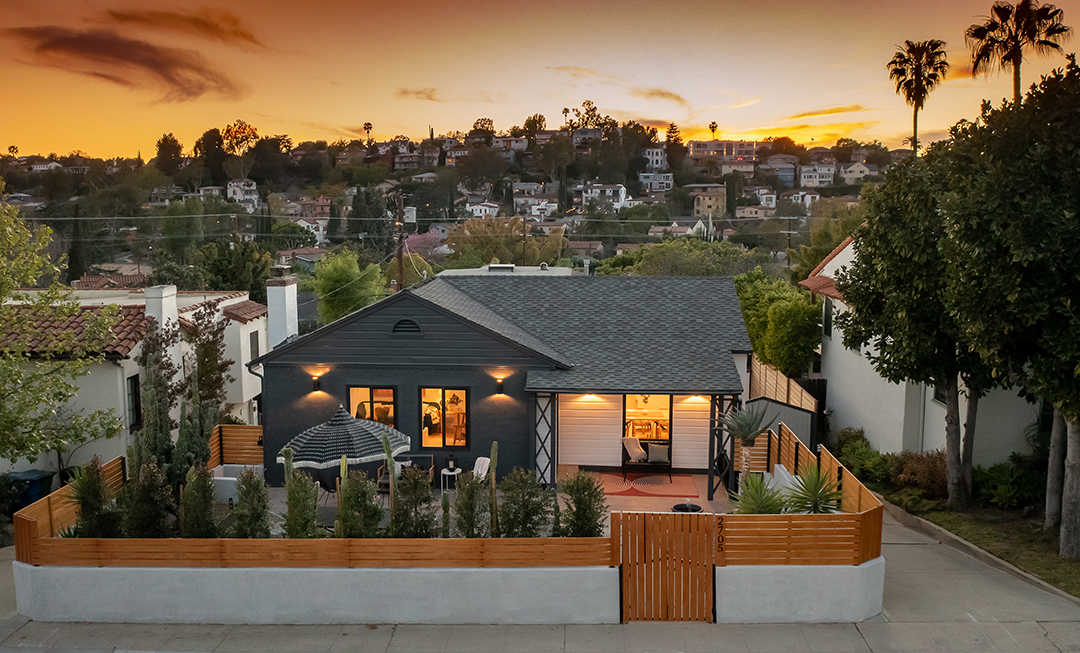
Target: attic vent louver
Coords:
[[406, 328]]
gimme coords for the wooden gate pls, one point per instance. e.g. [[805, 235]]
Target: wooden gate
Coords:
[[667, 565]]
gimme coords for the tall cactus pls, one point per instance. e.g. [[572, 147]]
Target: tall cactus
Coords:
[[494, 497], [391, 475]]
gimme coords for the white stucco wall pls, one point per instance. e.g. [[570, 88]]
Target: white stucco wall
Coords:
[[436, 595], [858, 397], [801, 594], [238, 348], [999, 424]]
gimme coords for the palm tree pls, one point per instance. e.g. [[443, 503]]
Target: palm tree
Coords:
[[918, 68], [367, 130], [712, 128], [1009, 30], [746, 424]]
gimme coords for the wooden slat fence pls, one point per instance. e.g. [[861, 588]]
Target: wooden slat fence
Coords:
[[790, 540], [331, 552], [767, 381], [234, 444]]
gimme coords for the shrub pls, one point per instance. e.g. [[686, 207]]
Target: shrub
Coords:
[[585, 507], [755, 497], [864, 462], [145, 503], [98, 515], [360, 511], [301, 502], [1019, 482], [526, 505], [252, 510], [471, 505], [847, 436], [925, 471], [414, 505], [198, 499], [445, 522], [813, 492]]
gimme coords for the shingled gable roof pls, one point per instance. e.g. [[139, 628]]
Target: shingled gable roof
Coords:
[[604, 334]]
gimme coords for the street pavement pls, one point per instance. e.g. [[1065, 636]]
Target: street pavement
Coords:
[[937, 598]]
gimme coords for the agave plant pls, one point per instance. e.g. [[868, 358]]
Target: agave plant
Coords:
[[755, 497], [746, 424], [813, 492]]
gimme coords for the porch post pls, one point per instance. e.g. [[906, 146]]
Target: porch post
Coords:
[[721, 445], [546, 454]]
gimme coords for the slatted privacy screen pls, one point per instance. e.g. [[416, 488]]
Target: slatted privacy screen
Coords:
[[766, 381], [234, 444], [788, 539], [667, 565]]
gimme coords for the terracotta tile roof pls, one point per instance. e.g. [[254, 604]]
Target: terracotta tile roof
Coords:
[[102, 281], [130, 328], [821, 286], [244, 312], [831, 256]]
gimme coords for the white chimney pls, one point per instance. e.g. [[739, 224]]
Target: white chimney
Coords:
[[281, 305], [161, 305]]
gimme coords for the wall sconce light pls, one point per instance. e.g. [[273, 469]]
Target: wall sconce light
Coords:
[[498, 386], [314, 384]]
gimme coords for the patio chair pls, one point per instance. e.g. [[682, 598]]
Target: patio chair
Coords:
[[422, 461], [480, 467]]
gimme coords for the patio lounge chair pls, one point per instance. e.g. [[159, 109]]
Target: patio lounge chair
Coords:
[[657, 457]]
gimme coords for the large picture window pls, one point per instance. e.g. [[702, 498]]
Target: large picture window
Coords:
[[443, 415], [376, 404], [647, 417]]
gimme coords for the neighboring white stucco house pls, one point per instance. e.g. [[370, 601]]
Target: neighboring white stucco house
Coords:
[[903, 416]]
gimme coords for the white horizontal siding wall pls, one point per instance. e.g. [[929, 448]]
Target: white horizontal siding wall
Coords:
[[690, 432], [590, 430]]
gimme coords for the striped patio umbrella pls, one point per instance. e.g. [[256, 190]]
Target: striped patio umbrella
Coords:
[[359, 440]]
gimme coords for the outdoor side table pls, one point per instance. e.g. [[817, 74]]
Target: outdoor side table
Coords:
[[448, 473]]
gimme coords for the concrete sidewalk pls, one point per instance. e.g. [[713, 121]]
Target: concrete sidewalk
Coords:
[[936, 599]]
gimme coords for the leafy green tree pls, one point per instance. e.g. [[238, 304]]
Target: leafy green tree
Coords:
[[343, 288], [526, 506], [239, 138], [182, 230], [585, 505], [243, 266], [414, 505], [210, 151], [251, 515], [783, 324], [691, 257], [918, 68], [509, 242], [482, 169], [169, 152], [413, 267], [555, 155], [37, 378], [146, 503], [833, 222], [673, 143], [301, 502], [896, 292], [1012, 245], [289, 235], [360, 512], [369, 220], [198, 504], [1000, 42]]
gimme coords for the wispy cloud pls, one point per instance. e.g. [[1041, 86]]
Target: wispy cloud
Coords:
[[851, 108], [182, 75], [959, 69], [214, 24], [659, 94], [659, 124], [806, 130], [749, 102], [578, 72], [427, 94]]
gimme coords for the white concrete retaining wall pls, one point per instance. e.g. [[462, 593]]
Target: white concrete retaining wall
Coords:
[[789, 593], [533, 595]]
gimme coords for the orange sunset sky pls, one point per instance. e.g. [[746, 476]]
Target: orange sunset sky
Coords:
[[109, 77]]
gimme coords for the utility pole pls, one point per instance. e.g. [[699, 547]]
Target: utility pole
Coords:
[[399, 234]]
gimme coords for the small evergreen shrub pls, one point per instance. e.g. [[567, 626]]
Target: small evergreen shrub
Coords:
[[251, 514], [414, 505], [98, 515], [301, 502], [865, 462], [1019, 482], [145, 504], [849, 435], [360, 512], [925, 471], [585, 506], [197, 517], [471, 505], [755, 497], [526, 505]]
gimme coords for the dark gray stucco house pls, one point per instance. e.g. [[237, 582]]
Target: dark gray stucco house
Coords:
[[556, 369]]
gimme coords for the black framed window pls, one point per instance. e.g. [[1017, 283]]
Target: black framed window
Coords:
[[134, 404], [444, 417], [647, 417], [376, 404], [254, 342], [939, 394], [826, 321]]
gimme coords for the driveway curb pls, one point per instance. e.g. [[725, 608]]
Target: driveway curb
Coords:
[[930, 529]]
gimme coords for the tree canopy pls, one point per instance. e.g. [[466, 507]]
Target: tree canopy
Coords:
[[342, 287], [783, 324]]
